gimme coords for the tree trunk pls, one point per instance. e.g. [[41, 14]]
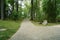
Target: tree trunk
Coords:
[[2, 9], [17, 6], [13, 5], [31, 9], [5, 15]]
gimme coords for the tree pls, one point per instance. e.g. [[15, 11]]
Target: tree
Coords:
[[37, 10], [31, 9], [2, 9], [58, 10], [17, 6], [50, 10], [34, 8]]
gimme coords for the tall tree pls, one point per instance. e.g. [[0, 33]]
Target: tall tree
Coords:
[[5, 15], [2, 9], [31, 9], [50, 10], [37, 10], [17, 6]]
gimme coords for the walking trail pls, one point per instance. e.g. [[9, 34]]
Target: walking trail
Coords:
[[29, 31]]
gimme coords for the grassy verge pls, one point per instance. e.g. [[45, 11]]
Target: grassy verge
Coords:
[[49, 24], [10, 26]]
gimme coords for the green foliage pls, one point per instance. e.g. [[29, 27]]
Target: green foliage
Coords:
[[58, 18], [50, 10], [44, 9], [14, 15]]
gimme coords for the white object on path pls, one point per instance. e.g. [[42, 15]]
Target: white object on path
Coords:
[[45, 22]]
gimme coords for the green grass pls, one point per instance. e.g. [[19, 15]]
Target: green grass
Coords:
[[49, 24], [11, 26]]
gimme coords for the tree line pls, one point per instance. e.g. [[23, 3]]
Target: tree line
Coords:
[[39, 10], [45, 10], [9, 9]]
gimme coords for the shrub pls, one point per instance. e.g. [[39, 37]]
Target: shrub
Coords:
[[58, 18], [14, 15]]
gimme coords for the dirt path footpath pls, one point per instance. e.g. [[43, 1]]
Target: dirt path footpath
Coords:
[[29, 31]]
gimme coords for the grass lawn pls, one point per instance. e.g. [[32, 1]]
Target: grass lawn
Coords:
[[49, 24], [10, 26]]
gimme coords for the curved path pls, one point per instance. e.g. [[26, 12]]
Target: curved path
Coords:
[[28, 31]]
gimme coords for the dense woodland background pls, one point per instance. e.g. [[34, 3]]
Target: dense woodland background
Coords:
[[37, 10]]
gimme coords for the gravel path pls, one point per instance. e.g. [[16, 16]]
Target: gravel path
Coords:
[[28, 31]]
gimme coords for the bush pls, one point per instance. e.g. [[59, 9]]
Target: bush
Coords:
[[14, 15], [58, 18]]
